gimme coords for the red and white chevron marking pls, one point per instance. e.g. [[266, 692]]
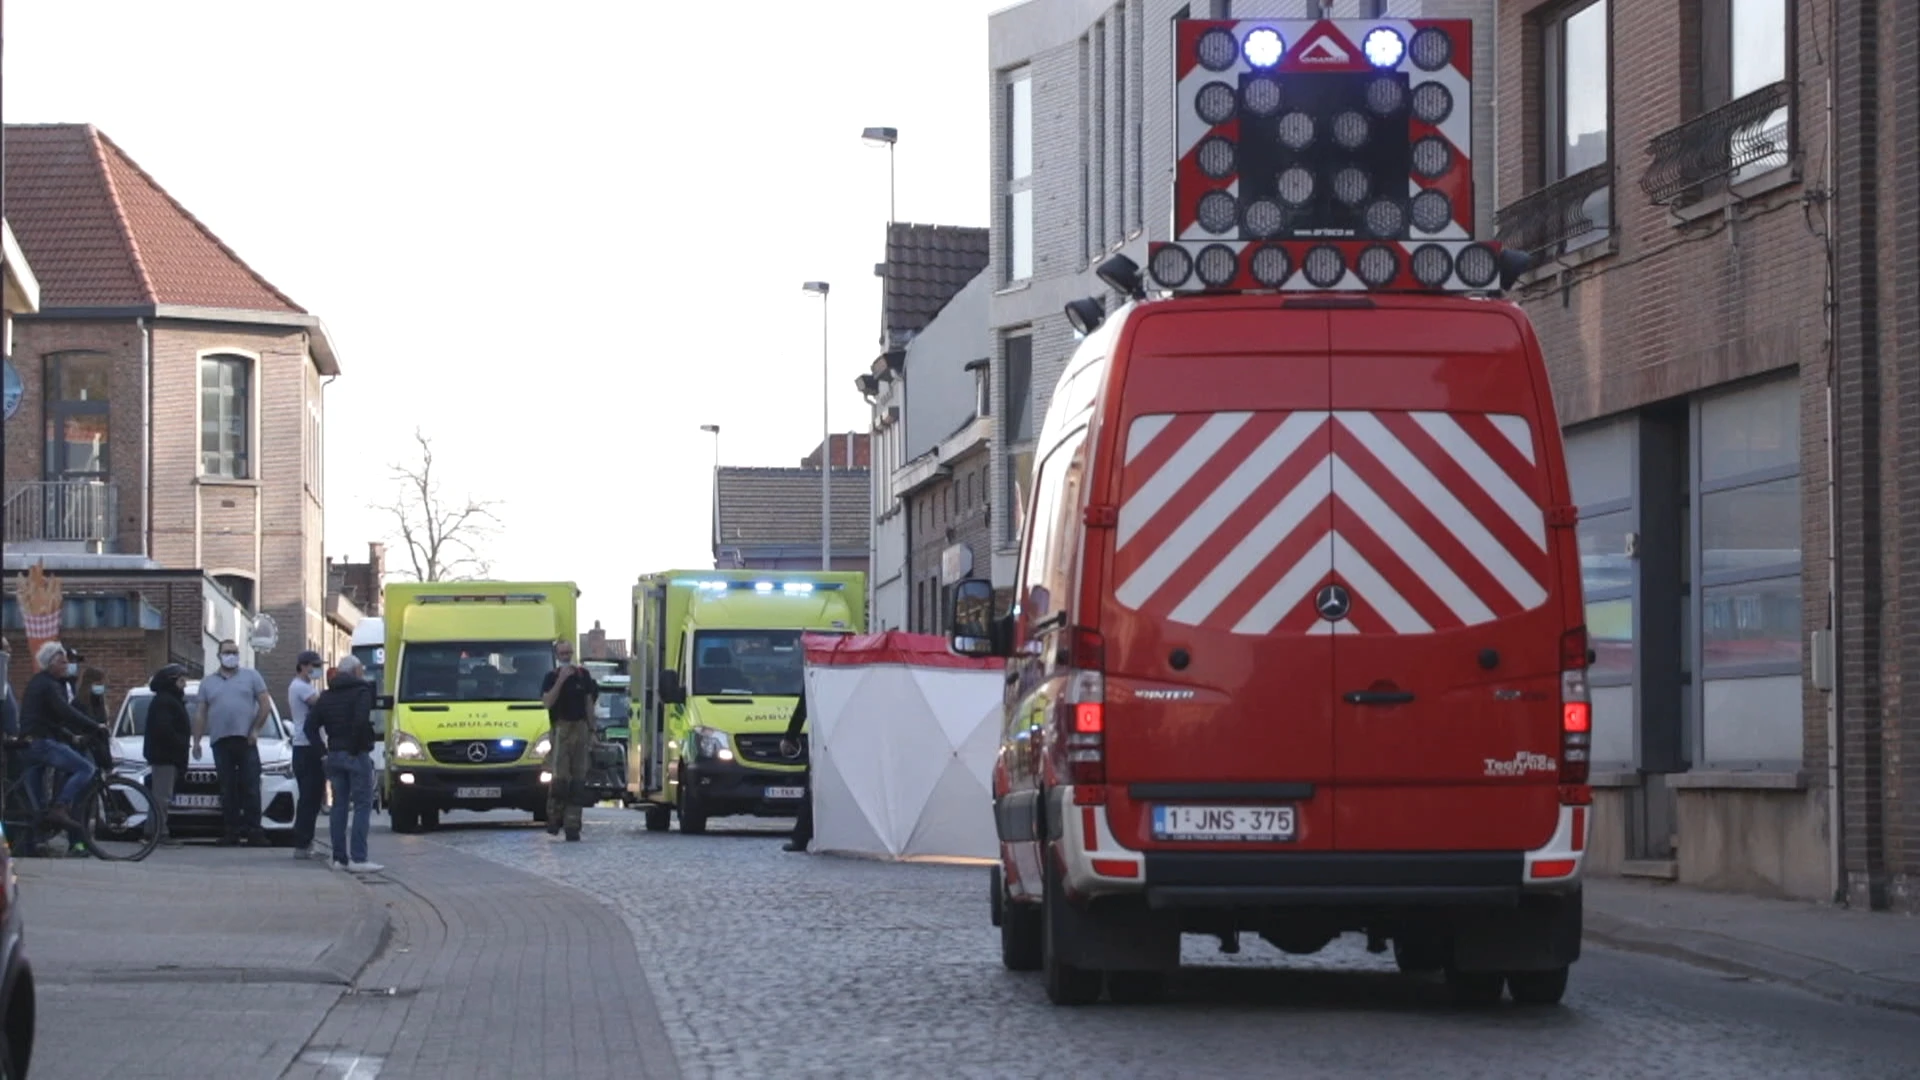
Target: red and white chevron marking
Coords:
[[1232, 521]]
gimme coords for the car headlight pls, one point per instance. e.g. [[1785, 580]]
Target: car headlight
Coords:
[[127, 764], [284, 768], [542, 748], [712, 743], [407, 747]]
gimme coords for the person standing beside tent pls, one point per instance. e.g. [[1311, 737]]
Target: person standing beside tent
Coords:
[[790, 746]]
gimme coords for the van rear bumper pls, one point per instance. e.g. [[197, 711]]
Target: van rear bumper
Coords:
[[1176, 880]]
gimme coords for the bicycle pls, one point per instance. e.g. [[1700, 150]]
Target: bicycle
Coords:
[[115, 812]]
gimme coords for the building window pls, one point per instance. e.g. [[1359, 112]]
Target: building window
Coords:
[[1743, 49], [1600, 468], [316, 451], [1747, 558], [1577, 94], [1019, 389], [226, 397], [1019, 183], [241, 587], [77, 421]]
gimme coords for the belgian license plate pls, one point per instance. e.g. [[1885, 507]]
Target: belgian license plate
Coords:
[[1223, 822], [196, 802], [476, 793], [786, 793]]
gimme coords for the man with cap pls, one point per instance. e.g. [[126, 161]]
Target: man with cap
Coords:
[[309, 761]]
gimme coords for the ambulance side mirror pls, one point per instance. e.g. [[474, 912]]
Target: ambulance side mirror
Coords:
[[671, 691], [383, 701], [974, 631]]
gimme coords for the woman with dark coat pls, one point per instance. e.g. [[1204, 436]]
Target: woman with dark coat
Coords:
[[169, 733]]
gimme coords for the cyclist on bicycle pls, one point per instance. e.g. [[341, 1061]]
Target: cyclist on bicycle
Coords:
[[48, 721]]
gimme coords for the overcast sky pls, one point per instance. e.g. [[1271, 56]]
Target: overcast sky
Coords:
[[557, 237]]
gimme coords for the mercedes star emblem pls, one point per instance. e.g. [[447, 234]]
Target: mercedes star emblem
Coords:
[[477, 752], [1332, 602]]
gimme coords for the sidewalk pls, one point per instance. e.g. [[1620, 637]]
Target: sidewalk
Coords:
[[199, 961], [1865, 958]]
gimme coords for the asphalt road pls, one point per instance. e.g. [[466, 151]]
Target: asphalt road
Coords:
[[768, 964]]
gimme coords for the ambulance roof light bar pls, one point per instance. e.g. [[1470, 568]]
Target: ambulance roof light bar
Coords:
[[1324, 154]]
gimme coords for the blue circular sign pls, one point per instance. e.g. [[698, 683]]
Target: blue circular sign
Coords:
[[14, 389]]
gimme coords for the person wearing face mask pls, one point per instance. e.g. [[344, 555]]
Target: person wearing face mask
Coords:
[[47, 720], [90, 694], [234, 706], [169, 730], [309, 761]]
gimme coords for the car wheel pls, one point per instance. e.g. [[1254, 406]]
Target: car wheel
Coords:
[[659, 818], [1538, 988], [403, 818], [1066, 984], [693, 817]]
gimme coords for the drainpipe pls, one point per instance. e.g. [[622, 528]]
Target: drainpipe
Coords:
[[146, 439], [1836, 852]]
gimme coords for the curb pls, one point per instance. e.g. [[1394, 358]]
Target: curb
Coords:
[[1753, 960], [365, 935]]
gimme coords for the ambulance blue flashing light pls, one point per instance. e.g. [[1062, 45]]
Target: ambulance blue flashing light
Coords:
[[1384, 48], [797, 587], [763, 586], [791, 588], [1265, 47]]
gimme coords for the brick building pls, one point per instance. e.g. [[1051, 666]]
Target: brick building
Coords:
[[1696, 198], [925, 389], [596, 645], [173, 394]]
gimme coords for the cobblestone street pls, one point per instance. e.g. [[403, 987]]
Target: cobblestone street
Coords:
[[768, 964]]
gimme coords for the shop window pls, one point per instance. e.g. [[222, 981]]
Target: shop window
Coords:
[[1748, 579]]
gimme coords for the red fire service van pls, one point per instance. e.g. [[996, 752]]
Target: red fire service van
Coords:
[[1297, 643]]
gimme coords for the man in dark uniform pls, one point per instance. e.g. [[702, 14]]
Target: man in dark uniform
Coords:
[[569, 694], [790, 746]]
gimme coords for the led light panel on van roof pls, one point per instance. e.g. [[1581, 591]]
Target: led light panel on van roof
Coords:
[[1330, 129], [1322, 266]]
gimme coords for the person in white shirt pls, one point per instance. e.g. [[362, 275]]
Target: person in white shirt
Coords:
[[309, 762]]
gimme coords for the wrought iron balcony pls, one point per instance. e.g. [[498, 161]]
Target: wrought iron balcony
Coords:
[[1554, 214], [64, 511], [1717, 144]]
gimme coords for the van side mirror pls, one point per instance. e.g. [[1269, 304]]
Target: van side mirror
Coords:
[[671, 691], [974, 631], [383, 701]]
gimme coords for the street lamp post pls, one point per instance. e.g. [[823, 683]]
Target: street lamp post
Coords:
[[887, 137], [714, 430], [826, 431]]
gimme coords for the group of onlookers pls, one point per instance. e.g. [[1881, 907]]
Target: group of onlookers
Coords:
[[60, 720]]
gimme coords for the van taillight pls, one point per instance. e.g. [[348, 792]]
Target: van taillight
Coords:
[[1086, 709], [1576, 708]]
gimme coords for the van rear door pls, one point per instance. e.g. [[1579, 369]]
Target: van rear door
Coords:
[[1446, 655], [1217, 673]]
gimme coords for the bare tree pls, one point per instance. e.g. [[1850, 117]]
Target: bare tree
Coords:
[[442, 536]]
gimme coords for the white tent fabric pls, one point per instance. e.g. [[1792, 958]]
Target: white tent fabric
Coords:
[[902, 741]]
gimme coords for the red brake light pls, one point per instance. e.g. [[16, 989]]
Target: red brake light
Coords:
[[1576, 718], [1089, 718], [1576, 708]]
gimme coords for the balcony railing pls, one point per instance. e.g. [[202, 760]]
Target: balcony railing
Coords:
[[1560, 212], [1744, 132], [63, 511]]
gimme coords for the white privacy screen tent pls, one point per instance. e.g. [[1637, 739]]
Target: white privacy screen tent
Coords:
[[902, 735]]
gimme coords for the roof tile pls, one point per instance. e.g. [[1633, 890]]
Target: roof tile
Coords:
[[100, 232], [782, 507], [927, 265]]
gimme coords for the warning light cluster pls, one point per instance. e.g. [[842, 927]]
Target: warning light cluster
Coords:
[[1323, 154]]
